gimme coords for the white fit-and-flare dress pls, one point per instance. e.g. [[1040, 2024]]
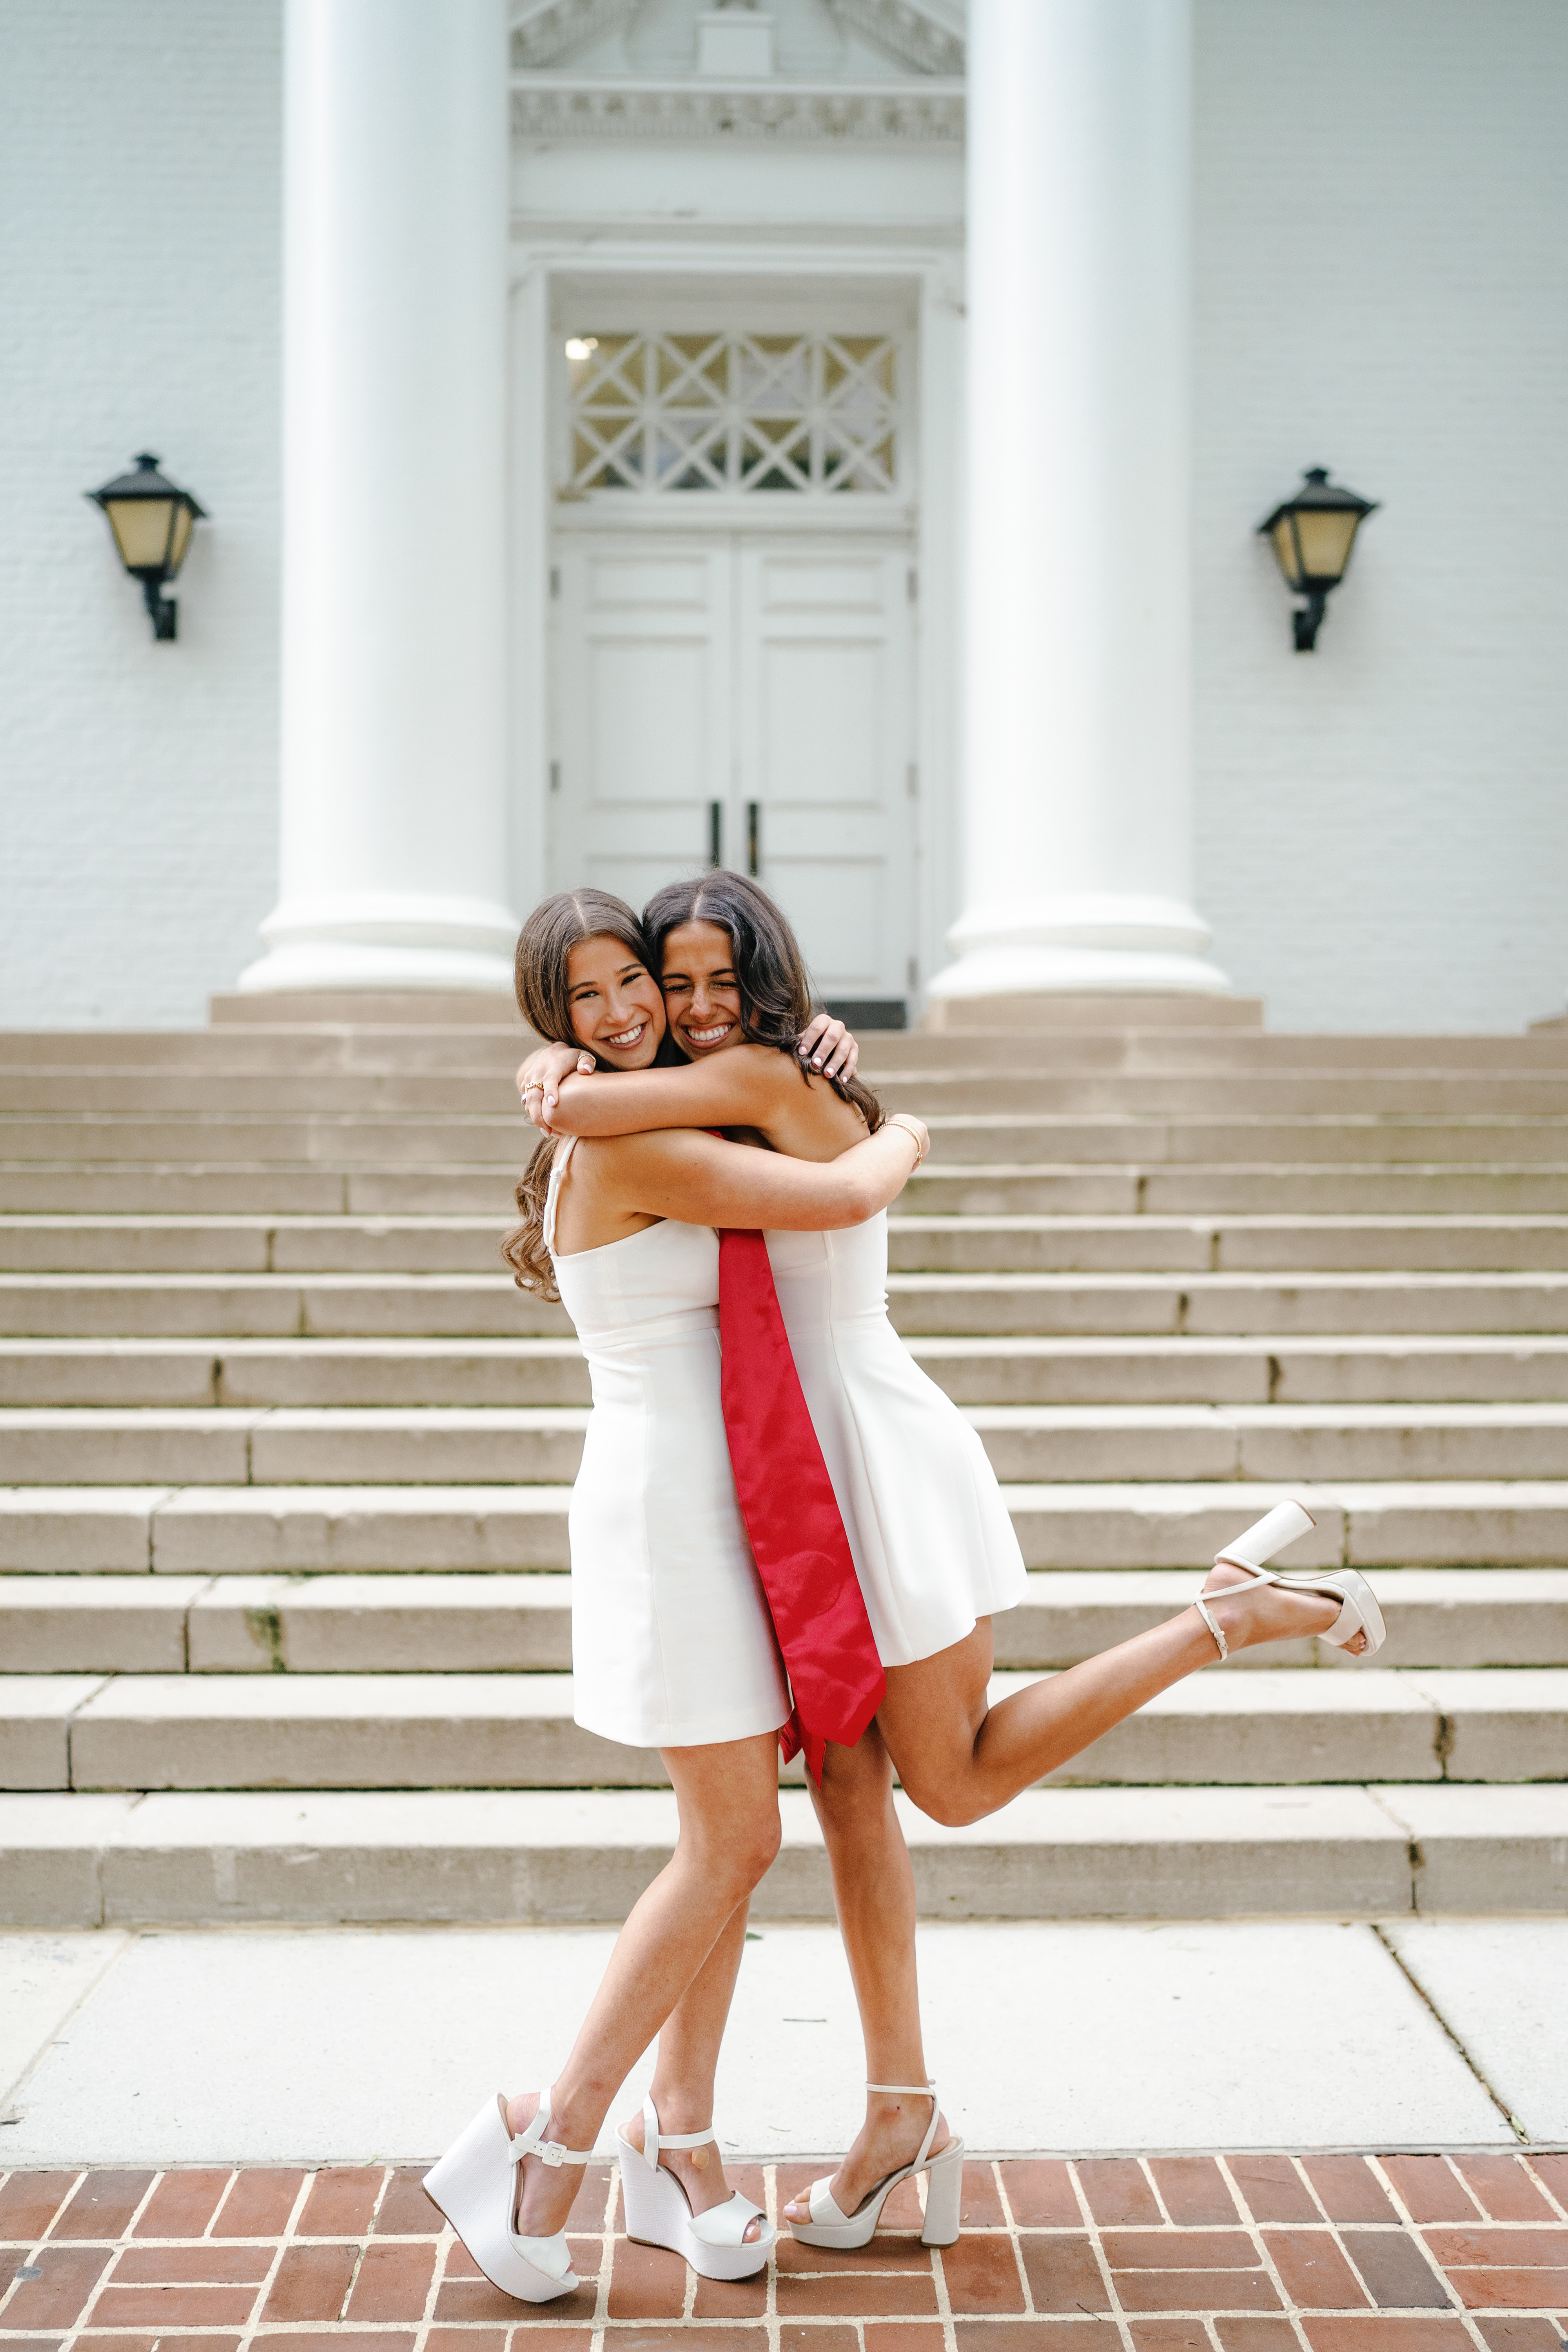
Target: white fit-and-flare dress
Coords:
[[672, 1644]]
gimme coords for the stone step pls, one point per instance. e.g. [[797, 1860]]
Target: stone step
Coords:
[[505, 1140], [544, 1856], [918, 1242], [197, 1530], [571, 1856], [412, 1306], [923, 1243], [985, 1187], [515, 1623], [351, 1045], [1487, 1187], [277, 1305], [453, 1090], [1354, 1369], [1289, 1443], [240, 1372], [337, 1047], [240, 1188], [280, 1243], [516, 1731], [542, 1444], [1378, 1368]]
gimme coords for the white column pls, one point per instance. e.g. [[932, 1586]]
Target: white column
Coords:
[[394, 730], [1077, 723]]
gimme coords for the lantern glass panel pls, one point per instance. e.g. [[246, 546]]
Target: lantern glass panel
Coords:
[[1285, 549], [181, 539], [141, 528], [1326, 536]]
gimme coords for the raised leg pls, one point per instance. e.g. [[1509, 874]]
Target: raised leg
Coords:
[[960, 1759], [727, 1802]]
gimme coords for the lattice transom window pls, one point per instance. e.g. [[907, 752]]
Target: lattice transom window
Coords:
[[816, 414]]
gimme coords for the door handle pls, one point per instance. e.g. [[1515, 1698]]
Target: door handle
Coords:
[[753, 838], [715, 832]]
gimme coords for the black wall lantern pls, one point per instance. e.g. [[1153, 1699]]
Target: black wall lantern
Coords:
[[151, 520], [1313, 534]]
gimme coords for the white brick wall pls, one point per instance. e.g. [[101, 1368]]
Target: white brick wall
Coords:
[[1382, 288], [139, 260]]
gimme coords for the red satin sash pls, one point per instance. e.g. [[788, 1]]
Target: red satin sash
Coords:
[[792, 1514]]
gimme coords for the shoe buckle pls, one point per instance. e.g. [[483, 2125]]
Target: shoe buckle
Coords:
[[551, 2153]]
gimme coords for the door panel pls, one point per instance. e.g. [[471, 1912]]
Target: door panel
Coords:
[[643, 712], [823, 711], [770, 676]]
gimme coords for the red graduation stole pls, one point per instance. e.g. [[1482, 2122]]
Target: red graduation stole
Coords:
[[792, 1514]]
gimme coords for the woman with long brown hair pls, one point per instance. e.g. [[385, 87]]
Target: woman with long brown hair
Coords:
[[673, 1640], [928, 1527]]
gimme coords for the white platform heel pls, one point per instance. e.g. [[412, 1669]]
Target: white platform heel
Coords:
[[475, 2185], [658, 2212], [944, 2190], [1359, 1612]]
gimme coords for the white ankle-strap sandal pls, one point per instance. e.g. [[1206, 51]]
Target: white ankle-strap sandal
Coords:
[[659, 2211], [475, 2185], [1359, 1612], [945, 2190]]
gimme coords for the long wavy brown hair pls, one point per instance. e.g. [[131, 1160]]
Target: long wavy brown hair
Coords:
[[544, 945], [775, 985]]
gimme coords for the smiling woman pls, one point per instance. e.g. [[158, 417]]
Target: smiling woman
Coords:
[[927, 1524]]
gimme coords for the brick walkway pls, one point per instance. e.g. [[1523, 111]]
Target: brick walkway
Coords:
[[1255, 2253]]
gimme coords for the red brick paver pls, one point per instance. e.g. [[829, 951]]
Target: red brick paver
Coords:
[[1190, 2253]]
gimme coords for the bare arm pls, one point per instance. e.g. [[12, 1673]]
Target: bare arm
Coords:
[[827, 1046], [737, 1089], [700, 1181]]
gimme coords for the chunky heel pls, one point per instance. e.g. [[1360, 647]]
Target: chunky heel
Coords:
[[944, 2188], [944, 2197], [658, 2212], [1359, 1612]]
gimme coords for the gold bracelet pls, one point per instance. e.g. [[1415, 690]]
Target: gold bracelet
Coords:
[[902, 1118]]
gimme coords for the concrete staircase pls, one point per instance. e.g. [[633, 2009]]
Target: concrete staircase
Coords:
[[285, 1460]]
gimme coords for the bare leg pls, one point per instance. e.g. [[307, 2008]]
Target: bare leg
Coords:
[[728, 1801], [874, 1893], [960, 1759], [682, 2087]]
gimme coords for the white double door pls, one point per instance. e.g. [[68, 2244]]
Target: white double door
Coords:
[[745, 701]]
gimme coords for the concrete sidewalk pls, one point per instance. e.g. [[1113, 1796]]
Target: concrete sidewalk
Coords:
[[291, 2046]]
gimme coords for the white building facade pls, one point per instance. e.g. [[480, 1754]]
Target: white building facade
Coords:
[[827, 436]]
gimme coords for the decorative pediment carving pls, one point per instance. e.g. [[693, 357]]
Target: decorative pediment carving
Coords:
[[546, 32], [551, 106]]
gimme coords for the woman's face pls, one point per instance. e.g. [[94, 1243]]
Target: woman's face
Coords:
[[617, 1009], [701, 993]]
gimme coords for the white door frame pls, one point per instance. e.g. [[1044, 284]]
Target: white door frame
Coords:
[[929, 282]]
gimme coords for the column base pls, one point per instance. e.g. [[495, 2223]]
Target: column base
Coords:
[[392, 939], [1093, 944]]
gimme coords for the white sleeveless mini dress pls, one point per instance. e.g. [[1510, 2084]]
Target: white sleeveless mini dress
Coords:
[[672, 1644], [930, 1534]]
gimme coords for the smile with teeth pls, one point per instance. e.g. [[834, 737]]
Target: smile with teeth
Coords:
[[625, 1037], [709, 1036]]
